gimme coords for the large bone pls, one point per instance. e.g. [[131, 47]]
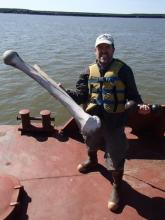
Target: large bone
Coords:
[[87, 124]]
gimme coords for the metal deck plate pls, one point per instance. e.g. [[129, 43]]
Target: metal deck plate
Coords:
[[54, 189]]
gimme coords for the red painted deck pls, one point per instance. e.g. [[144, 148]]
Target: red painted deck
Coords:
[[55, 190]]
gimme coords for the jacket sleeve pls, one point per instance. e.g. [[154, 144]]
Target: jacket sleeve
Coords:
[[127, 77], [80, 94]]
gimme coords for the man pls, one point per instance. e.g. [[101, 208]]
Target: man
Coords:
[[104, 88]]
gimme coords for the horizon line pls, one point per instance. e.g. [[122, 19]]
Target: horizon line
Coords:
[[30, 11]]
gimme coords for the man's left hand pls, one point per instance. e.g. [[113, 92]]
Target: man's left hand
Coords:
[[144, 109]]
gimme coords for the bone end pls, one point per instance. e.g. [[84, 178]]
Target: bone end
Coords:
[[92, 125], [8, 56]]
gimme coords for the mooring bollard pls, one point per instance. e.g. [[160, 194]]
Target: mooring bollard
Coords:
[[25, 118], [46, 119]]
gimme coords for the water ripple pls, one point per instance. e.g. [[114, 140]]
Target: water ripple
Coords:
[[64, 46]]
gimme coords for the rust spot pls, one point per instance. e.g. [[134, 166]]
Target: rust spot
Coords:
[[2, 134], [8, 163]]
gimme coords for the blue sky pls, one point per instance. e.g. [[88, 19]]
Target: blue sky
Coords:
[[102, 6]]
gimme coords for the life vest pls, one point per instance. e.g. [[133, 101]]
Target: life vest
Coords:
[[108, 91]]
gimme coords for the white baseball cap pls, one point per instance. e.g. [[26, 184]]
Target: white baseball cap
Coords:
[[104, 39]]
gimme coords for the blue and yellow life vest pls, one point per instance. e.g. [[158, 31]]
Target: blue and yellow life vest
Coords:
[[109, 90]]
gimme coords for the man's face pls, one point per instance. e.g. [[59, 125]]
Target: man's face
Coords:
[[104, 53]]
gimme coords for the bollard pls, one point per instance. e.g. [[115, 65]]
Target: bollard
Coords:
[[25, 118], [46, 120]]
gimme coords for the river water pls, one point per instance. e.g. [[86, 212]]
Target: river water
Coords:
[[64, 46]]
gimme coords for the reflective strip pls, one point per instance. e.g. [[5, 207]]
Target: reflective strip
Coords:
[[104, 91], [102, 102], [112, 102], [111, 79]]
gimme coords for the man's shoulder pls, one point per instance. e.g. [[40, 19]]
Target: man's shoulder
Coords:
[[120, 61], [124, 66], [87, 69], [85, 73], [92, 64]]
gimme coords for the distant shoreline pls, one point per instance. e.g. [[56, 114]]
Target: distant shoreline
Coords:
[[82, 14]]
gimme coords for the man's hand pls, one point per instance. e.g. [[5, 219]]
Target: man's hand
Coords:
[[144, 109]]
